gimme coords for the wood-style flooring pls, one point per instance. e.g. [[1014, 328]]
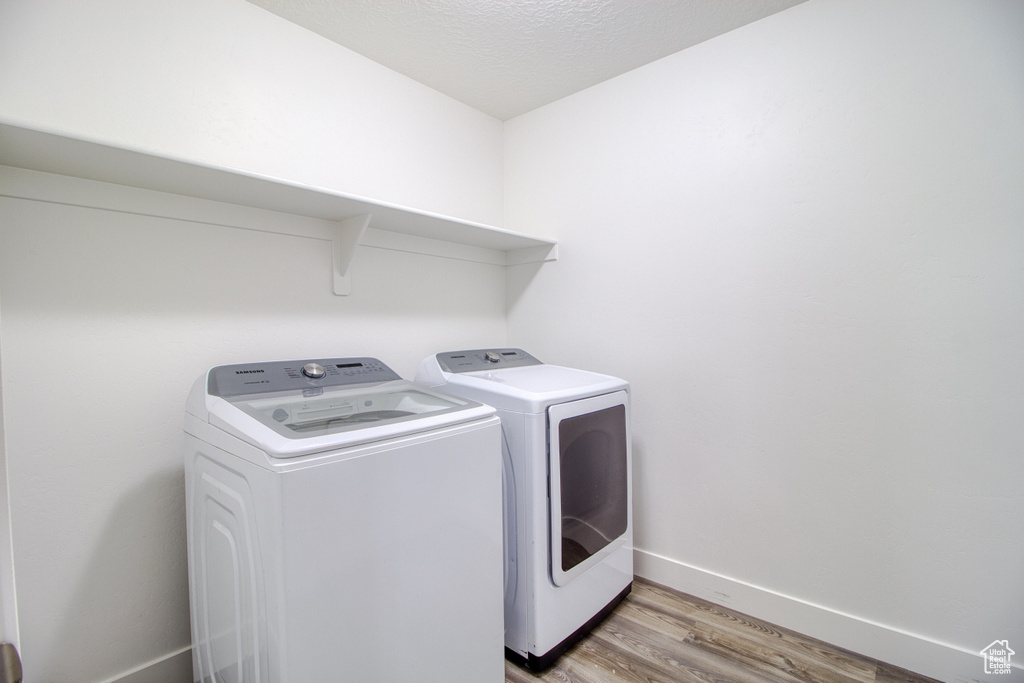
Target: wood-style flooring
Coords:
[[658, 635]]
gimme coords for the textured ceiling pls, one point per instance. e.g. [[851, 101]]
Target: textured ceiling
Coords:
[[506, 57]]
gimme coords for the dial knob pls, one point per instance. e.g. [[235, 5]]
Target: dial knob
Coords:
[[313, 370], [492, 356]]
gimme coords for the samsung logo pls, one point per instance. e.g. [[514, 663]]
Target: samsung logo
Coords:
[[246, 372]]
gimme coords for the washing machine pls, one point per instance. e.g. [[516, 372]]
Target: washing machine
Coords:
[[343, 525], [567, 491]]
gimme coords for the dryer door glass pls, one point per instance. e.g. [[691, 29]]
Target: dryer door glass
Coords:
[[590, 480]]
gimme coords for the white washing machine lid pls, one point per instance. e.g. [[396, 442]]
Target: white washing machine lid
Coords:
[[513, 379], [292, 408]]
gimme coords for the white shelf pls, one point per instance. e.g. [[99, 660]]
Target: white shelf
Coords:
[[52, 152]]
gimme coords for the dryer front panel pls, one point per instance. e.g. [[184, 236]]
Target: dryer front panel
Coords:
[[590, 462]]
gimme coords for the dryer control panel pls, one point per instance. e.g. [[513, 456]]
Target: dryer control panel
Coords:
[[257, 378], [484, 359]]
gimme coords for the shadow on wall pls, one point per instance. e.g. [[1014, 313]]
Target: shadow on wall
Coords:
[[639, 452], [518, 279], [145, 528]]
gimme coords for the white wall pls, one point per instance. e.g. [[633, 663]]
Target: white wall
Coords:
[[226, 83], [803, 243]]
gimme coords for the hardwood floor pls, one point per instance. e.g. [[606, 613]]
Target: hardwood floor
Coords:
[[660, 635]]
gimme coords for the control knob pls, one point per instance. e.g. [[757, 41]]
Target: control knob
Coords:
[[492, 356], [313, 370]]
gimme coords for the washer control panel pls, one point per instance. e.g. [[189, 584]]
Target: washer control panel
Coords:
[[484, 359], [257, 378]]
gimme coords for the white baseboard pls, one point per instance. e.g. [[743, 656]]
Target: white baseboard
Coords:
[[924, 656], [175, 667]]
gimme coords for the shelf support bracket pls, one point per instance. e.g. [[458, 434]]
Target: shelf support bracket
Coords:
[[542, 254], [343, 247]]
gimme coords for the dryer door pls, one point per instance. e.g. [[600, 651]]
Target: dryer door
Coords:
[[590, 482]]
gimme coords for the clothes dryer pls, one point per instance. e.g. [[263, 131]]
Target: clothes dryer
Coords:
[[343, 525], [567, 491]]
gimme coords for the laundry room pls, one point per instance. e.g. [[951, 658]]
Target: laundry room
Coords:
[[800, 241]]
